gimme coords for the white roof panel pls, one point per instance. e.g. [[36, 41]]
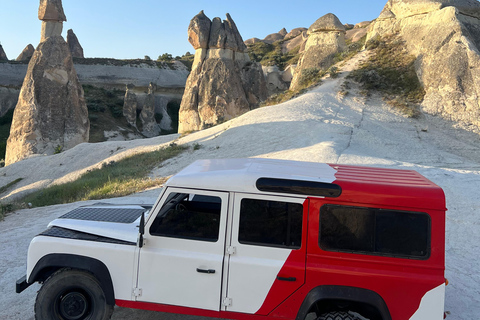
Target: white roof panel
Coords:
[[241, 175]]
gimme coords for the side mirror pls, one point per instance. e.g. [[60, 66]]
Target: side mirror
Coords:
[[141, 230]]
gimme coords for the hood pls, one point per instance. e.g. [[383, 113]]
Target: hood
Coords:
[[116, 222]]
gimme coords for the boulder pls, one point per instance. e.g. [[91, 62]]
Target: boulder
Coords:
[[326, 37], [51, 10], [445, 38], [150, 127], [349, 26], [271, 38], [294, 33], [3, 55], [130, 105], [252, 41], [283, 32], [223, 83], [51, 113], [199, 31], [328, 22], [74, 45], [26, 54]]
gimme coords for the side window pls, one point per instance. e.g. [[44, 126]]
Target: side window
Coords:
[[375, 231], [188, 216], [270, 223]]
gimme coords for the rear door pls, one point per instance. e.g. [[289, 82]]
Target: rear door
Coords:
[[267, 252], [182, 260]]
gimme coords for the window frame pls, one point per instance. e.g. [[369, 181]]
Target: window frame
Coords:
[[270, 199], [189, 193], [372, 253]]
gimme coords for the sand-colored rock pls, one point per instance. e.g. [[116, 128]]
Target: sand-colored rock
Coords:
[[130, 105], [223, 83], [51, 113], [326, 37], [26, 54], [150, 127], [199, 31], [446, 43], [51, 10]]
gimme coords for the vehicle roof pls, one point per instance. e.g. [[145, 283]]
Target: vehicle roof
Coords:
[[380, 186]]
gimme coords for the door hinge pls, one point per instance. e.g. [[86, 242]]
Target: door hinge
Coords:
[[137, 292], [227, 302], [231, 250]]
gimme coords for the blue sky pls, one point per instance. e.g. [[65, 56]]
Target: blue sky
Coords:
[[132, 29]]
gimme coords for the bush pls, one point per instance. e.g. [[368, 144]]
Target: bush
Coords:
[[391, 71]]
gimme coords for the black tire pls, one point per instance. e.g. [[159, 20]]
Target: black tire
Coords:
[[337, 315], [71, 295]]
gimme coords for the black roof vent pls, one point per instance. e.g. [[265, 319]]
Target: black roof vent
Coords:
[[310, 188]]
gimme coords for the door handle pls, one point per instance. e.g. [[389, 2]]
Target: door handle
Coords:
[[209, 271], [291, 279]]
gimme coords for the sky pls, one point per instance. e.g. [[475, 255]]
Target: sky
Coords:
[[124, 29]]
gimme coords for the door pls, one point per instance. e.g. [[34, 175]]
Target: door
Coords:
[[182, 260], [268, 239]]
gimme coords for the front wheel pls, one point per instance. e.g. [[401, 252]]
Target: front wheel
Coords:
[[72, 295]]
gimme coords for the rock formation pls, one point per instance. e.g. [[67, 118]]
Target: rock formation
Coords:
[[26, 54], [51, 113], [74, 45], [223, 83], [358, 32], [271, 38], [3, 55], [444, 35], [326, 37], [150, 127], [130, 106]]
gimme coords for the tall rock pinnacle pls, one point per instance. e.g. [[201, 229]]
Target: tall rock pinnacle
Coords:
[[51, 113]]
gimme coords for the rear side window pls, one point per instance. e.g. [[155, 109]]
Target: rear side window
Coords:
[[375, 231], [271, 223]]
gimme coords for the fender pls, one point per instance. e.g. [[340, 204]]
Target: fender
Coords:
[[344, 293], [53, 262]]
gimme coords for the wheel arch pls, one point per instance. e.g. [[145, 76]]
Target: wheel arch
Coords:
[[50, 263], [327, 298]]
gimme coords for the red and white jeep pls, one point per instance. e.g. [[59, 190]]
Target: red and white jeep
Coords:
[[253, 239]]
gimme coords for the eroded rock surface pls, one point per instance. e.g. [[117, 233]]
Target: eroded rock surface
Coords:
[[51, 114], [26, 54], [445, 38], [223, 83], [130, 106], [74, 45], [150, 127], [3, 55], [326, 37]]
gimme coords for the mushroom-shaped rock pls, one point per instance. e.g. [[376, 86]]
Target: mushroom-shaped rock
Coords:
[[328, 22], [51, 10], [199, 31]]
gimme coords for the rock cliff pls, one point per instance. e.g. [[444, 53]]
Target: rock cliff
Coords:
[[326, 37], [444, 35], [223, 83], [51, 113]]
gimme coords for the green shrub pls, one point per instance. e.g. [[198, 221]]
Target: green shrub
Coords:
[[391, 71]]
